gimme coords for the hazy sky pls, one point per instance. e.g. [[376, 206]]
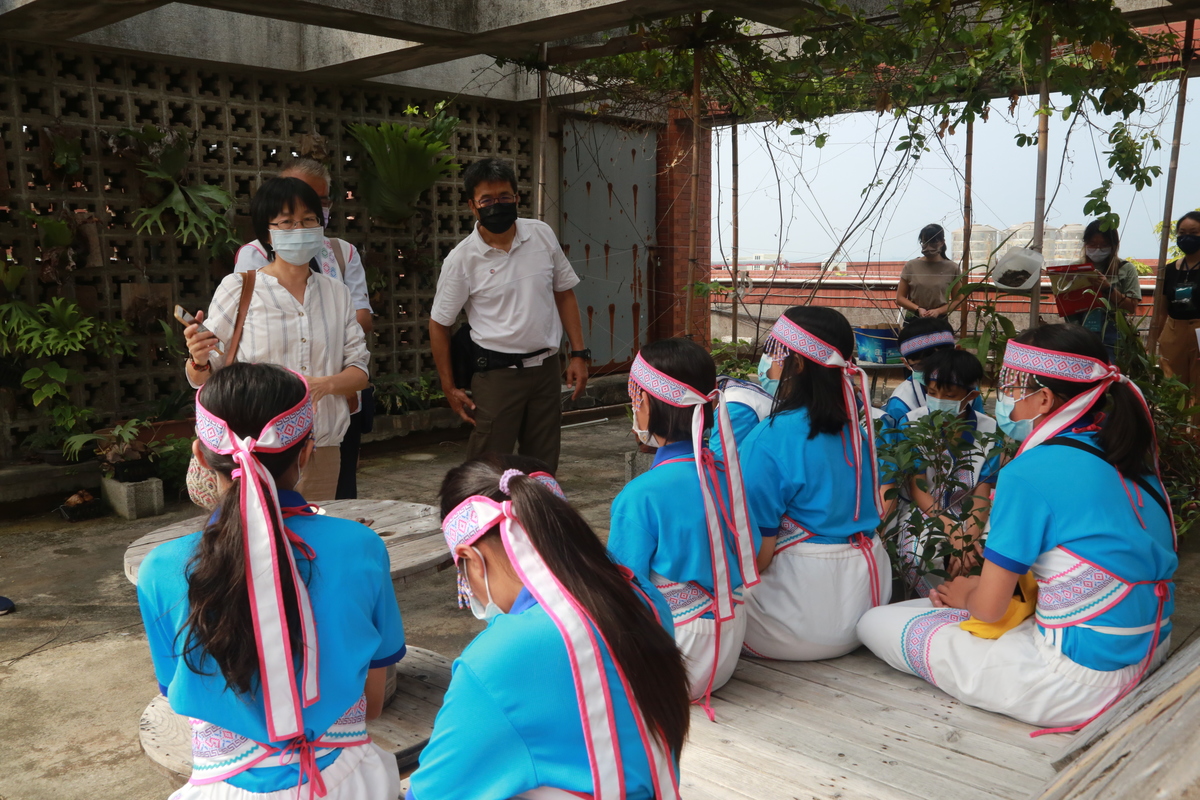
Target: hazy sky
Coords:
[[822, 188]]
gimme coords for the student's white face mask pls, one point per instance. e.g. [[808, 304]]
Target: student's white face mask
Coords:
[[491, 610]]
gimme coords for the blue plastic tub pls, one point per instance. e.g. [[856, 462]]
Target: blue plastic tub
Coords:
[[877, 345]]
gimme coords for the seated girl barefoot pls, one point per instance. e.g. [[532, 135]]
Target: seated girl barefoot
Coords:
[[812, 484], [683, 524], [952, 382], [271, 628], [575, 689], [1081, 505]]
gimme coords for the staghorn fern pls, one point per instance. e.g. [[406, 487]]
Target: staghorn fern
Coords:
[[403, 161]]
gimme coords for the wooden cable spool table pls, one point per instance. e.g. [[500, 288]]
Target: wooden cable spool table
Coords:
[[413, 536]]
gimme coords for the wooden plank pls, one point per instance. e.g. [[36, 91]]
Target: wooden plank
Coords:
[[403, 728], [894, 688], [412, 557], [1154, 752], [902, 762], [1176, 668], [876, 718]]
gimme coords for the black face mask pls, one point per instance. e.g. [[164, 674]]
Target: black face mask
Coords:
[[498, 217], [1188, 243]]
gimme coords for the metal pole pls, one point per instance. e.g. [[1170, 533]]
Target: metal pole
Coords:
[[1039, 204], [543, 124], [694, 215], [1156, 320], [734, 270], [966, 238]]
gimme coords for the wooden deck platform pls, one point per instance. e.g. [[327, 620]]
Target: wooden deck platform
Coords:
[[854, 728], [411, 531]]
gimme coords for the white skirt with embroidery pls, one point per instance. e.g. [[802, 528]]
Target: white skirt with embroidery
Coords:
[[363, 772], [808, 604], [1021, 674]]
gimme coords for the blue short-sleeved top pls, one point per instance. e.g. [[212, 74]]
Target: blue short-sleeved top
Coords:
[[358, 628], [809, 480], [748, 404], [510, 720], [1057, 496], [658, 524]]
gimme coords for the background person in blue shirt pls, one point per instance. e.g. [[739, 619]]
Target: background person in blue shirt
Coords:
[[206, 643], [813, 497], [1081, 506], [510, 722], [957, 482]]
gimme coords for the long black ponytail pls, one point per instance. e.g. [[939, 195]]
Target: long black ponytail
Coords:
[[219, 623], [1126, 435], [572, 551]]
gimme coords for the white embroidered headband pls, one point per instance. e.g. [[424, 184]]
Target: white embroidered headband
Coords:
[[476, 516], [263, 561], [787, 336], [925, 341]]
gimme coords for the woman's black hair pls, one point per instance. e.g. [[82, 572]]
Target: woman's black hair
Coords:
[[276, 196], [1111, 236], [951, 367], [638, 643], [685, 361], [219, 624], [816, 387], [922, 326], [933, 233], [488, 170], [1194, 216], [1126, 435]]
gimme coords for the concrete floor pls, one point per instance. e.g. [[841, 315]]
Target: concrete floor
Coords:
[[75, 673]]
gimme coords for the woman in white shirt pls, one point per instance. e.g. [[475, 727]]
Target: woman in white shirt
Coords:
[[297, 318]]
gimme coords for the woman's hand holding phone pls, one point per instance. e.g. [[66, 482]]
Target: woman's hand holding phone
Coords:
[[201, 342]]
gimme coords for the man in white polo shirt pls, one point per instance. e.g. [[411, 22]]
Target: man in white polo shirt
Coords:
[[517, 287], [339, 260]]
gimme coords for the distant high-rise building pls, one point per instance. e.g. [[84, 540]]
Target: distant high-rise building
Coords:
[[983, 241], [1059, 245]]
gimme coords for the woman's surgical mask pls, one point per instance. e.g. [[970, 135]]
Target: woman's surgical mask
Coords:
[[491, 610], [771, 385], [1017, 429], [299, 245], [1098, 255]]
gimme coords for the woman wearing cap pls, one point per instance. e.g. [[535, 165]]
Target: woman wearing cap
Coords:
[[684, 524], [575, 688], [925, 282], [812, 482], [271, 628], [1082, 506]]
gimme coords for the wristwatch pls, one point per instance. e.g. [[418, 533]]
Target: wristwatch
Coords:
[[585, 354]]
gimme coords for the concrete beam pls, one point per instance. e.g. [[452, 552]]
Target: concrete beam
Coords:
[[56, 20]]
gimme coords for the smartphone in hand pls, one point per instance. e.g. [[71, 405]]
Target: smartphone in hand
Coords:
[[185, 318]]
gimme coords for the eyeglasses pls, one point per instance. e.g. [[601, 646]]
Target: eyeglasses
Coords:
[[491, 201], [287, 225]]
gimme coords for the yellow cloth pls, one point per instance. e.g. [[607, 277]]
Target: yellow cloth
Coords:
[[1020, 608]]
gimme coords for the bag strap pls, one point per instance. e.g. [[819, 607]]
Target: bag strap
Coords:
[[1140, 480], [248, 279], [340, 256]]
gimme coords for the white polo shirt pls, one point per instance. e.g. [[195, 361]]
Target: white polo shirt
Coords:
[[508, 297]]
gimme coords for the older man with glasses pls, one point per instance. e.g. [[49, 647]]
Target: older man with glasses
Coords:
[[514, 282]]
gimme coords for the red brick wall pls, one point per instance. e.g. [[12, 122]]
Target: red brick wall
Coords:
[[668, 301]]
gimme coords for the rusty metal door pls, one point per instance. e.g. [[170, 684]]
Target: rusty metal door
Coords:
[[607, 231]]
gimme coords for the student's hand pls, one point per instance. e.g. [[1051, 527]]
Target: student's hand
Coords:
[[954, 594], [461, 404], [199, 343]]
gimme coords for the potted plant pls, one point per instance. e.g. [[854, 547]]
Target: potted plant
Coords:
[[122, 456]]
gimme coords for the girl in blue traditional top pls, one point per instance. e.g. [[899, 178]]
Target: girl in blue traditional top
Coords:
[[812, 481], [684, 523], [271, 628], [1082, 507], [575, 689]]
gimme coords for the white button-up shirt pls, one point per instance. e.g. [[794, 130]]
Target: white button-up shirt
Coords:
[[508, 297], [317, 338]]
